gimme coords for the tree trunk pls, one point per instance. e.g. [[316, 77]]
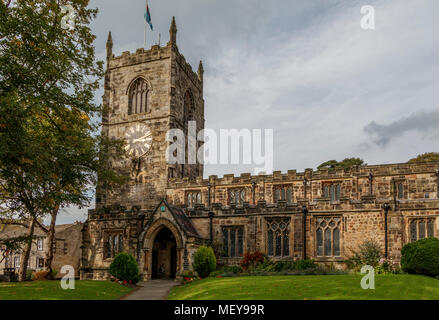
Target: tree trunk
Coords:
[[50, 241], [26, 253]]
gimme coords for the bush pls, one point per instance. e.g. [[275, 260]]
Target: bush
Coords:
[[305, 264], [252, 260], [41, 275], [387, 266], [369, 254], [204, 261], [421, 257], [232, 269], [124, 267], [29, 275]]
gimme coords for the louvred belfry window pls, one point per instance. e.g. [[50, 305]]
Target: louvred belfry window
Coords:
[[138, 97]]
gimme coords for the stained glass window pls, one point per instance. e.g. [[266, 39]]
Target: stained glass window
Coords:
[[270, 243], [430, 228], [278, 237], [328, 236], [193, 198], [112, 246], [400, 191], [421, 228], [319, 242], [332, 191], [233, 241], [283, 193], [413, 231], [237, 196]]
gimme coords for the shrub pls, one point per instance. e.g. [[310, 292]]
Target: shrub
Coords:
[[204, 261], [124, 267], [216, 273], [252, 260], [29, 275], [304, 264], [369, 253], [41, 275], [232, 269], [421, 257], [387, 266]]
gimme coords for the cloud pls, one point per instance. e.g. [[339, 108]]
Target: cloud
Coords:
[[304, 68], [425, 122]]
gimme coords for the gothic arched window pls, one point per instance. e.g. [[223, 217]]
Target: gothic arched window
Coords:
[[188, 108], [138, 97], [328, 236]]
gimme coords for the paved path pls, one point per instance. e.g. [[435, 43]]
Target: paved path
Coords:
[[152, 290]]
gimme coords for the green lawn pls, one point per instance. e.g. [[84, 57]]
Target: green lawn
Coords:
[[51, 290], [337, 287]]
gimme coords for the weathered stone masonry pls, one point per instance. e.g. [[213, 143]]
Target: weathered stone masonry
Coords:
[[166, 211]]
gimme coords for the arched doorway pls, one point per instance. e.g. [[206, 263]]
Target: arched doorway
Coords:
[[164, 255]]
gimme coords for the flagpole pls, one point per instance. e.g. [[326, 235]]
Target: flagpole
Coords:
[[146, 24]]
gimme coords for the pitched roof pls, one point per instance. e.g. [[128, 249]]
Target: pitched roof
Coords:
[[13, 231], [182, 219]]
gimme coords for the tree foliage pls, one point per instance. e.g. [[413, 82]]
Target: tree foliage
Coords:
[[425, 157], [51, 152], [345, 164]]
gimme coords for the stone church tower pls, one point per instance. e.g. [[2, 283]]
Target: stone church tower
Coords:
[[146, 95]]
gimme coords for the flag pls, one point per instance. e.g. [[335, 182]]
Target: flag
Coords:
[[148, 16]]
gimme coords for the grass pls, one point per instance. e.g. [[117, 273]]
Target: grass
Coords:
[[51, 290], [326, 287]]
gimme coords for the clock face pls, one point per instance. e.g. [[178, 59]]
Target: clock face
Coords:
[[139, 140]]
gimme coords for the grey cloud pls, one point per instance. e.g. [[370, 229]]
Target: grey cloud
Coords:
[[422, 121]]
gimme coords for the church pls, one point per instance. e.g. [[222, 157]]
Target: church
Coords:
[[166, 211]]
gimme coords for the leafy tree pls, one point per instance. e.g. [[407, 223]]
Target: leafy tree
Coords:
[[345, 164], [50, 149], [425, 157]]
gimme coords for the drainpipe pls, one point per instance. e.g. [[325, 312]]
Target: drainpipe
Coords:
[[386, 208], [209, 199], [437, 186], [305, 181], [305, 212], [211, 215], [370, 183]]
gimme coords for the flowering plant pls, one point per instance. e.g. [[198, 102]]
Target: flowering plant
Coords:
[[386, 266]]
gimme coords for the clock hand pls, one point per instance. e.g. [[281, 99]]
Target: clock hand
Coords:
[[140, 140]]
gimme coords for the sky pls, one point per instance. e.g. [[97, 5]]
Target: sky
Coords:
[[304, 68]]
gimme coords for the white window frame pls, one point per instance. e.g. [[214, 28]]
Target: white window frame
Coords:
[[40, 244], [17, 265]]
